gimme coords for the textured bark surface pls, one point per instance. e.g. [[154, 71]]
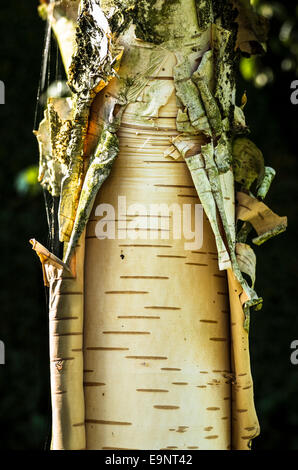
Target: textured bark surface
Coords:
[[156, 331], [66, 312], [245, 424]]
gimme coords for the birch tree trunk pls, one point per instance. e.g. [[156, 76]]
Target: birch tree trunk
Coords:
[[156, 321], [156, 330]]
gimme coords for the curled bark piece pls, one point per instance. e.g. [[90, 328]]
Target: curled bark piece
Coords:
[[266, 223], [60, 117], [215, 183], [245, 422], [53, 136], [266, 183], [66, 314], [252, 299], [48, 171], [246, 259], [204, 78], [188, 145], [46, 257], [252, 28], [188, 93], [197, 169], [239, 122]]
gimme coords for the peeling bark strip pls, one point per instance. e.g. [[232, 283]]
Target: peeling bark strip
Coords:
[[66, 354], [152, 78]]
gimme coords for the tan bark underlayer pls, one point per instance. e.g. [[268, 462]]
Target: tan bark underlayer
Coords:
[[156, 332], [155, 337], [66, 313], [67, 365]]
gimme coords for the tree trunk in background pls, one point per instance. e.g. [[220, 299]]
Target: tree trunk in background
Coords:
[[147, 340]]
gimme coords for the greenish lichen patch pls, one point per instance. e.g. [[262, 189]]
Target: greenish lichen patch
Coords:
[[150, 17], [248, 163], [204, 78], [60, 133], [91, 62], [204, 13], [271, 233], [53, 137], [98, 170], [201, 166], [223, 153], [155, 21], [265, 183], [72, 181], [189, 96]]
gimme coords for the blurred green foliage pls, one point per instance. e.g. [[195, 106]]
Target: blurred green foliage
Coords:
[[27, 181], [24, 380]]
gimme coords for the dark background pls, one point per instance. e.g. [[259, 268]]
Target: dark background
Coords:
[[24, 380]]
